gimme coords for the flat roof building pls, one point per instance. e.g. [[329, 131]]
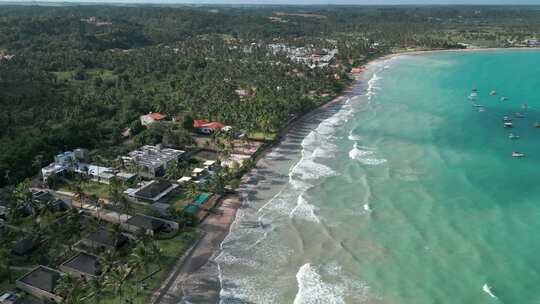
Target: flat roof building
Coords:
[[82, 265], [153, 191], [41, 282], [150, 225], [152, 161], [104, 239]]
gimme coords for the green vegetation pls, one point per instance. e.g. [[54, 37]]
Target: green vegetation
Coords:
[[128, 273], [76, 81]]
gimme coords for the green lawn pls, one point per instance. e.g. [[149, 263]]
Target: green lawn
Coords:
[[139, 292], [270, 136], [91, 188], [179, 200]]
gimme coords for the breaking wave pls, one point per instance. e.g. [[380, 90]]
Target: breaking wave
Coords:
[[311, 288], [372, 86], [361, 154], [338, 289], [305, 211]]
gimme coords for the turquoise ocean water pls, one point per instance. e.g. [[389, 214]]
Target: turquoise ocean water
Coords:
[[404, 194]]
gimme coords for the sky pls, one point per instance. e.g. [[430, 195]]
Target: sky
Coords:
[[311, 2]]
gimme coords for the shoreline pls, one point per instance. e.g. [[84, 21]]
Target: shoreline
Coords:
[[195, 263]]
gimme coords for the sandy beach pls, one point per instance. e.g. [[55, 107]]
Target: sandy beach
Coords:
[[195, 279]]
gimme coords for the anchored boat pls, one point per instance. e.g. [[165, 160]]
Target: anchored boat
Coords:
[[517, 154]]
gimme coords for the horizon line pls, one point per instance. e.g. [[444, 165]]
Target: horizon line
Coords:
[[240, 3]]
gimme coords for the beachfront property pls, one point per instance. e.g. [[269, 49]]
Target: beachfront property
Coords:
[[82, 265], [149, 225], [41, 282], [151, 192], [199, 203], [76, 162], [151, 118], [104, 240], [151, 161]]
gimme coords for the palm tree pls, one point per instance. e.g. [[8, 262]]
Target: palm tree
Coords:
[[141, 257], [125, 204], [4, 264], [191, 190], [22, 195], [79, 191], [115, 280], [115, 194], [71, 289], [107, 260], [96, 288]]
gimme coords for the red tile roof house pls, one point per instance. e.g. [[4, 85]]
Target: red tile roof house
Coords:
[[151, 118], [206, 127]]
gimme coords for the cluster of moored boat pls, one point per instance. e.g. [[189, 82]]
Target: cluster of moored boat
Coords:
[[507, 120]]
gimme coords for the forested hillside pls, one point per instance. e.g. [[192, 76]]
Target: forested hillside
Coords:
[[77, 76]]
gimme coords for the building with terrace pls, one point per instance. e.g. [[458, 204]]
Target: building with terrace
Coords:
[[152, 161]]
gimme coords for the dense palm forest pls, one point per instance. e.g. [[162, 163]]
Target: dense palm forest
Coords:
[[76, 76]]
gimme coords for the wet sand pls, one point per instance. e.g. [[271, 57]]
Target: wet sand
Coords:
[[195, 278]]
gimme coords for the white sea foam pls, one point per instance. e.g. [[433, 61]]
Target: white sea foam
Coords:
[[372, 86], [309, 169], [354, 137], [373, 161], [305, 210], [226, 258], [311, 288], [357, 153], [487, 289], [360, 154]]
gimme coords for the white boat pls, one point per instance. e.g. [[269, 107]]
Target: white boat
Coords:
[[508, 124], [481, 109], [487, 289], [493, 93], [513, 136], [507, 119], [504, 98], [519, 115], [367, 208], [517, 154]]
